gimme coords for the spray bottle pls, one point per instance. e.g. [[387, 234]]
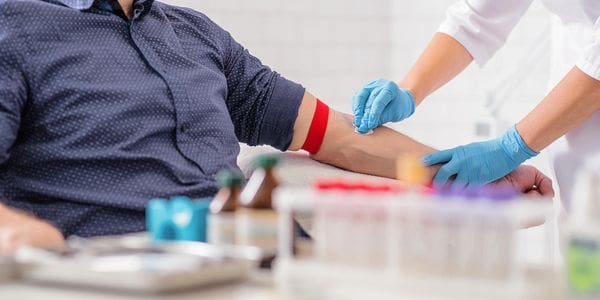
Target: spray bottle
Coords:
[[583, 240]]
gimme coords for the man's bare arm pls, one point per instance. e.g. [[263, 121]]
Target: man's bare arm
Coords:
[[374, 154], [377, 154]]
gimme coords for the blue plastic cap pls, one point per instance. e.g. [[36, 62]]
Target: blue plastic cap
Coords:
[[158, 220], [180, 199], [177, 219], [202, 203]]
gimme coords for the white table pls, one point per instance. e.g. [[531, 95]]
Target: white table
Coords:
[[258, 286]]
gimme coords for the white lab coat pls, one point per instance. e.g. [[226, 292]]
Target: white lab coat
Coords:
[[482, 27]]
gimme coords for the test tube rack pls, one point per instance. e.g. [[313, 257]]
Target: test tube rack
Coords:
[[419, 245]]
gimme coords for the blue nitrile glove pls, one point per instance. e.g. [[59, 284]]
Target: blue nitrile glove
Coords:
[[379, 102], [480, 163]]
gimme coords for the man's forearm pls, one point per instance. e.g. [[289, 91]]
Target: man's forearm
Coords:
[[374, 154], [377, 154]]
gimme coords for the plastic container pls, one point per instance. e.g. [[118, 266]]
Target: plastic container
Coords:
[[582, 245], [177, 219], [256, 221], [445, 245]]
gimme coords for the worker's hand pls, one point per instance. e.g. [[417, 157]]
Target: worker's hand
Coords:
[[379, 102], [527, 180], [480, 163], [19, 229]]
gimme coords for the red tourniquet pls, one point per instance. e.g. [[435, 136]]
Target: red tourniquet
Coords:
[[317, 130]]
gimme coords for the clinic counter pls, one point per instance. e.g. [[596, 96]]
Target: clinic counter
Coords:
[[258, 285]]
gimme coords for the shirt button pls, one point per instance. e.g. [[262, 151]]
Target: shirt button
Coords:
[[138, 11], [185, 127]]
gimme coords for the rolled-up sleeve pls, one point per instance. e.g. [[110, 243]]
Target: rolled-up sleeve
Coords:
[[589, 63], [263, 104], [482, 26], [12, 87]]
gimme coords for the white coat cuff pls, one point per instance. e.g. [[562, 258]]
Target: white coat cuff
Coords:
[[589, 63]]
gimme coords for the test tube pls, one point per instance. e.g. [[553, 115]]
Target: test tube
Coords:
[[448, 214], [470, 231], [378, 219], [401, 230], [499, 236], [412, 172]]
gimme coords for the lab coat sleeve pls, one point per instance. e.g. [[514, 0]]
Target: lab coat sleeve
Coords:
[[589, 63], [482, 26]]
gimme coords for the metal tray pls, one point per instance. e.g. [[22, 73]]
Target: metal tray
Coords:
[[134, 263]]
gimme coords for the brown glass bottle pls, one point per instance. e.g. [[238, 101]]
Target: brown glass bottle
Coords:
[[256, 221], [221, 221], [258, 193], [228, 197]]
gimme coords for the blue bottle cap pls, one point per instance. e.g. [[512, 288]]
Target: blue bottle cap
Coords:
[[178, 219], [180, 199], [181, 212], [202, 210], [202, 203], [158, 220], [182, 215]]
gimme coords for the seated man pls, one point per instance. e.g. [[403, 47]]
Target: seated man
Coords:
[[106, 104]]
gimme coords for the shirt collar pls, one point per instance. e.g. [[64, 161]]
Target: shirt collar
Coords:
[[87, 4], [77, 4]]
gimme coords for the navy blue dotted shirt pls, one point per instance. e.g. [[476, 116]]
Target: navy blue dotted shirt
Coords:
[[99, 114]]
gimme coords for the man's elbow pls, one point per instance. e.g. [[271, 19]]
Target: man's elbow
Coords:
[[337, 148]]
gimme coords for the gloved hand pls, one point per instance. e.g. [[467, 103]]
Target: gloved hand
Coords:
[[480, 163], [379, 102]]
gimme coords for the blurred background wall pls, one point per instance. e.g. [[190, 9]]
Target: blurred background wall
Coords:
[[335, 46]]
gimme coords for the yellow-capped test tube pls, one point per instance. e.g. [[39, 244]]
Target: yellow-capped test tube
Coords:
[[411, 170]]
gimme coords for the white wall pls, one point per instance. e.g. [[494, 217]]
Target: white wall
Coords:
[[447, 118], [330, 46], [335, 46]]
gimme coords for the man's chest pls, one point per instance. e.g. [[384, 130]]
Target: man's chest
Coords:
[[100, 81], [103, 65]]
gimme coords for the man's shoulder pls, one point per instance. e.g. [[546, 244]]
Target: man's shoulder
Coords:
[[13, 15], [184, 13], [18, 18], [193, 21], [180, 10], [12, 9], [6, 5]]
